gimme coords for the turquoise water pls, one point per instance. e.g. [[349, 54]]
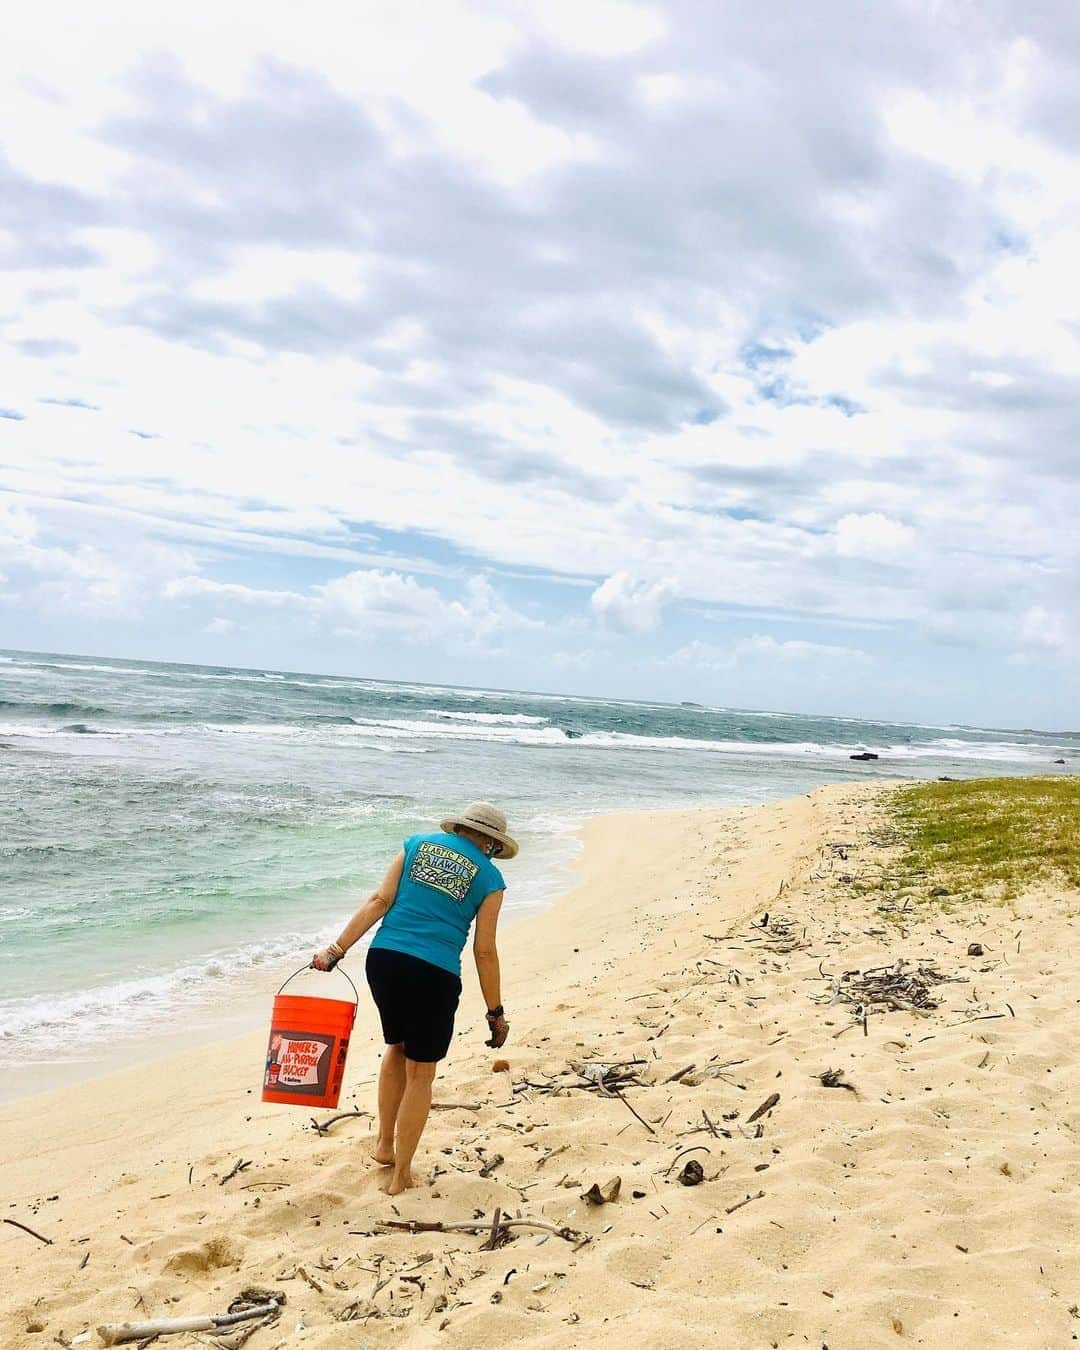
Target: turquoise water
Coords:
[[167, 829]]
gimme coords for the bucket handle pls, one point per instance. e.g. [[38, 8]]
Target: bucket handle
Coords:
[[356, 996]]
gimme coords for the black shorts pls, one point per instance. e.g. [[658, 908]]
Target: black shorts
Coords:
[[416, 1002]]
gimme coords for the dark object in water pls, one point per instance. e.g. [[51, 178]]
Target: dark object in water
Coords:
[[1059, 761], [687, 704], [944, 778], [80, 729], [693, 1174], [571, 734], [975, 949], [864, 754]]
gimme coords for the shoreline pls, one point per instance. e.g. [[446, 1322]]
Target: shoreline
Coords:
[[930, 1201], [250, 996], [174, 1061]]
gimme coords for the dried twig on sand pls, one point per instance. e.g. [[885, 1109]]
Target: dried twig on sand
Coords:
[[604, 1079], [322, 1127], [732, 1208], [680, 1073], [16, 1224], [633, 1112], [766, 1105], [478, 1226], [782, 934], [242, 1309], [696, 1148], [897, 988], [239, 1166]]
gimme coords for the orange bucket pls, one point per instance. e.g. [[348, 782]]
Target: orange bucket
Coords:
[[309, 1039]]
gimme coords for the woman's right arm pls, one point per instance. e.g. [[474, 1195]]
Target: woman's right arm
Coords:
[[367, 916]]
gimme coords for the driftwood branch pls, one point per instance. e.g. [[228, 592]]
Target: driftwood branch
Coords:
[[239, 1166], [681, 1073], [16, 1224], [696, 1148], [732, 1208], [119, 1333], [321, 1127], [493, 1237], [766, 1105], [632, 1111], [477, 1226]]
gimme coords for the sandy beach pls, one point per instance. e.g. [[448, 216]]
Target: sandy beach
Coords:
[[923, 1194]]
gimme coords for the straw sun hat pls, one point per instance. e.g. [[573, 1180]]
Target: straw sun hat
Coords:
[[488, 820]]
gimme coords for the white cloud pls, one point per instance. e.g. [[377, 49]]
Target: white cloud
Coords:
[[372, 603], [85, 578], [362, 602], [196, 587], [629, 358], [625, 605], [874, 537], [220, 627]]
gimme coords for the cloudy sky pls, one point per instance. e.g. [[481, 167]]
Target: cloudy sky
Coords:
[[726, 352]]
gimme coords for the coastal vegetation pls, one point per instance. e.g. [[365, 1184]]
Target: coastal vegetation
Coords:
[[989, 838]]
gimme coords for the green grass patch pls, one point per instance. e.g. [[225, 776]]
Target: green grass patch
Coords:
[[991, 837]]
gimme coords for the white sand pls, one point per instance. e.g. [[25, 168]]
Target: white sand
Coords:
[[934, 1205]]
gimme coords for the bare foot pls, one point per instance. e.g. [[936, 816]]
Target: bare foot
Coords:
[[400, 1181], [383, 1156]]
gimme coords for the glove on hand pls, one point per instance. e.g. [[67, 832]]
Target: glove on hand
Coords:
[[499, 1028], [327, 959]]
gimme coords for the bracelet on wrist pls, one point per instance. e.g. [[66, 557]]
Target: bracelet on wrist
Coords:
[[495, 1012], [337, 949]]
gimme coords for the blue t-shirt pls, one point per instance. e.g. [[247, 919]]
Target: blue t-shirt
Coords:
[[443, 883]]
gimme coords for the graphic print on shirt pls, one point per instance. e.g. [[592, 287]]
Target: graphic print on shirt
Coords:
[[444, 869]]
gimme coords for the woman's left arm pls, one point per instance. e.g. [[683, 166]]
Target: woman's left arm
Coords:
[[486, 954], [367, 916]]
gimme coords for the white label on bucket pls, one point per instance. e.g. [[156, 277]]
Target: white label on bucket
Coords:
[[298, 1062]]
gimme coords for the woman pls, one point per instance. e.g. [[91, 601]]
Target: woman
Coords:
[[427, 901]]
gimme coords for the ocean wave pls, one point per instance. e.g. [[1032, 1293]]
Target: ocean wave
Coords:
[[77, 665], [35, 708], [44, 851], [27, 731], [46, 1023], [263, 678], [408, 735], [466, 694], [492, 719], [552, 736], [15, 913]]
